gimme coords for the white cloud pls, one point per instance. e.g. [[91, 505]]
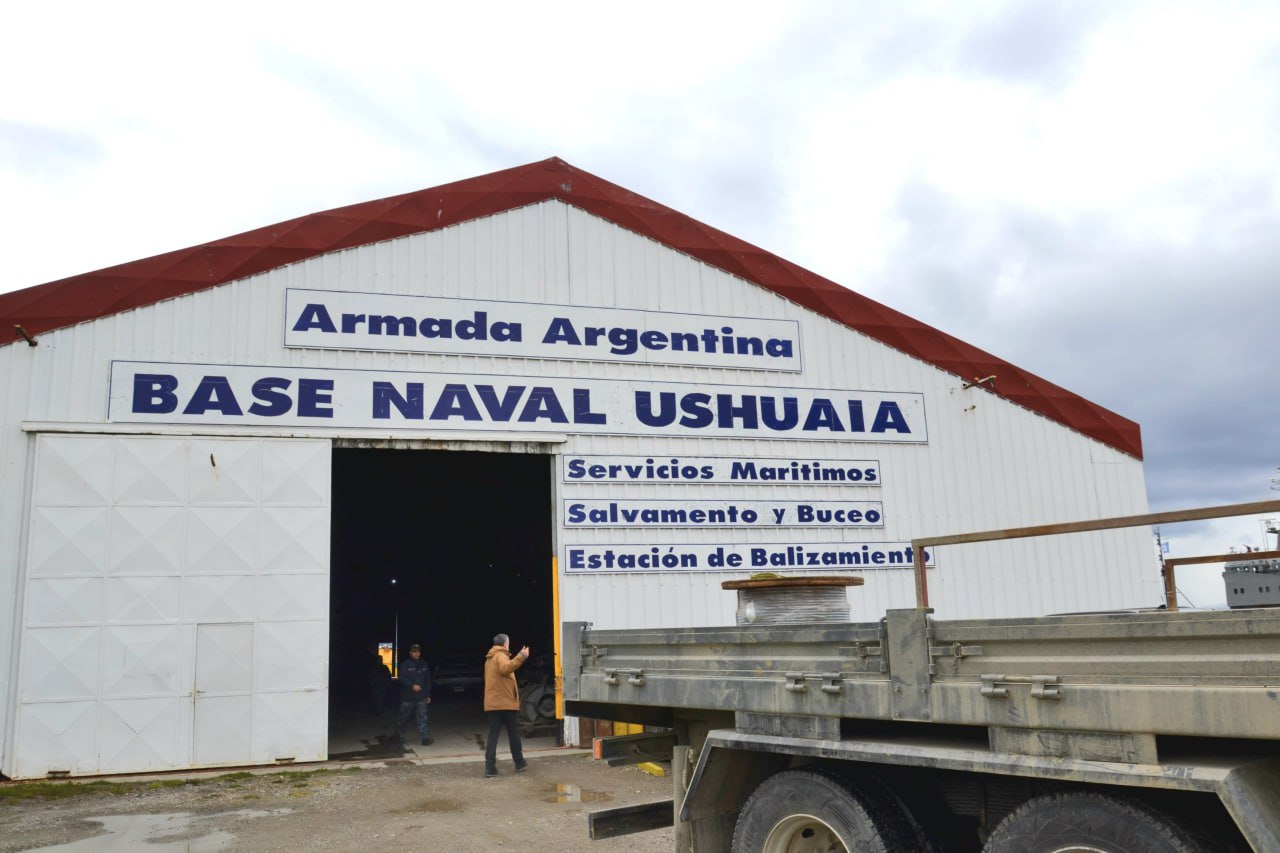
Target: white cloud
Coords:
[[1088, 189]]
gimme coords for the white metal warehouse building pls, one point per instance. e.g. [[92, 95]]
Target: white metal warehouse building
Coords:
[[496, 405]]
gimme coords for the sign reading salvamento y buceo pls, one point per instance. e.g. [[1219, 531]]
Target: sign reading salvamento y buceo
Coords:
[[325, 319], [174, 393]]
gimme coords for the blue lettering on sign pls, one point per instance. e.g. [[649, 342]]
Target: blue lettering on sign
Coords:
[[790, 413], [410, 405], [614, 514], [855, 416], [386, 324], [213, 393], [648, 470], [273, 402], [752, 471], [543, 403], [512, 403], [560, 330], [157, 394], [500, 410], [608, 559], [314, 317], [314, 395], [801, 556], [153, 393], [455, 401], [623, 340], [822, 416], [727, 411], [697, 410], [807, 514], [582, 413], [889, 417]]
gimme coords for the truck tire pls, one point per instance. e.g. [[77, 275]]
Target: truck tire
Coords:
[[817, 809], [1089, 822], [530, 699], [538, 703]]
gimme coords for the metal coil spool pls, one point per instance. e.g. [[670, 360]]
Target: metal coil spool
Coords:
[[797, 600]]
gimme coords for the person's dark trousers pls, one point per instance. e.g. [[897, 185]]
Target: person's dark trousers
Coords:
[[410, 709], [497, 720]]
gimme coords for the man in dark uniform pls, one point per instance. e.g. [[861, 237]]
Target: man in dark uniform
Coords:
[[415, 694]]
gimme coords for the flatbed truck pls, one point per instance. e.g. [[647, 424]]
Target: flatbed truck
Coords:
[[1122, 731]]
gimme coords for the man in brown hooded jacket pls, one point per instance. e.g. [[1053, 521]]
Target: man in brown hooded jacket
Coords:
[[501, 701]]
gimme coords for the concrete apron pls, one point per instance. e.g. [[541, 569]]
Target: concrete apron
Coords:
[[458, 732], [363, 740]]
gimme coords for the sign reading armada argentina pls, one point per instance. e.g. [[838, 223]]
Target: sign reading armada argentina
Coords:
[[323, 319], [170, 393]]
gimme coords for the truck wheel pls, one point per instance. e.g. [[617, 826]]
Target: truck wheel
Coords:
[[533, 695], [1089, 823], [816, 810]]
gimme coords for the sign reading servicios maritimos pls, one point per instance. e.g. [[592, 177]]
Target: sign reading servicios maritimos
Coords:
[[168, 393]]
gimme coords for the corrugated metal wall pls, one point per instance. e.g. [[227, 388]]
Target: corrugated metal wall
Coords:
[[988, 463]]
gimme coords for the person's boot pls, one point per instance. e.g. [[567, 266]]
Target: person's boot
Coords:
[[521, 765], [491, 773]]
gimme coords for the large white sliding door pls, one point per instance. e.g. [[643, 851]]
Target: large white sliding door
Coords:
[[177, 604]]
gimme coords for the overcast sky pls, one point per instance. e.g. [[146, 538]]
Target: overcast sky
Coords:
[[1090, 190]]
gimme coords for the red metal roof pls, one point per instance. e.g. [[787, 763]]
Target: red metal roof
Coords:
[[98, 294]]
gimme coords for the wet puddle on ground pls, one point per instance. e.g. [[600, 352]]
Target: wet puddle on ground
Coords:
[[570, 793], [157, 833], [436, 806]]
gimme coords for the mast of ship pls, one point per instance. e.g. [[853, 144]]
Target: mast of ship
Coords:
[[1273, 524]]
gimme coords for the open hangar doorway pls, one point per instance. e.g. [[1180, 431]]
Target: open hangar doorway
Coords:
[[440, 547]]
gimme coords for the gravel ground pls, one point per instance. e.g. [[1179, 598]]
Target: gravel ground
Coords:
[[409, 806]]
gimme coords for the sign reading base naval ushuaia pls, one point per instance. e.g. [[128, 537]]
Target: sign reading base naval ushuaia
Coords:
[[247, 395]]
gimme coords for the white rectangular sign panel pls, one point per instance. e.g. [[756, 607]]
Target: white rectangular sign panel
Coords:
[[328, 319], [244, 395], [723, 513], [742, 470], [739, 556]]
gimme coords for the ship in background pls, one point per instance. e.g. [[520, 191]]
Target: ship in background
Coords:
[[1255, 581], [1252, 583]]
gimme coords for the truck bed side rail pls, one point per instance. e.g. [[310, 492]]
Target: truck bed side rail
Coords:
[[1206, 674]]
